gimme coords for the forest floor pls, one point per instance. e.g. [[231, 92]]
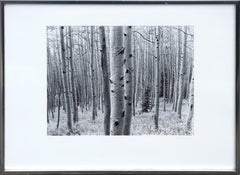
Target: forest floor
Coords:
[[142, 123]]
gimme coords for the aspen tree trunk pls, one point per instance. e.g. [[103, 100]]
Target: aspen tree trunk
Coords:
[[156, 115], [81, 89], [66, 89], [178, 60], [59, 86], [171, 74], [163, 57], [106, 89], [187, 72], [94, 104], [187, 79], [127, 80], [181, 79], [137, 78], [59, 105], [85, 77], [174, 86], [75, 108], [48, 104], [134, 78], [97, 75], [68, 70], [164, 86], [191, 106], [116, 65], [61, 75], [142, 80]]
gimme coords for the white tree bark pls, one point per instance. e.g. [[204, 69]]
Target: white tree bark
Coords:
[[157, 92], [128, 79], [75, 108], [181, 78], [94, 104], [106, 89], [178, 58], [134, 60], [117, 83], [66, 88], [191, 106]]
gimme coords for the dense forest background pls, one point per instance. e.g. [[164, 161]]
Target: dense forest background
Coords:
[[120, 80]]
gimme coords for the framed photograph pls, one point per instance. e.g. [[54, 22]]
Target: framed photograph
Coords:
[[119, 87]]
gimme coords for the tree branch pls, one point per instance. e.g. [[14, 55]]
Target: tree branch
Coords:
[[183, 32], [143, 37]]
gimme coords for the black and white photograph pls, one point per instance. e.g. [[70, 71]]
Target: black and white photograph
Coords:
[[120, 80]]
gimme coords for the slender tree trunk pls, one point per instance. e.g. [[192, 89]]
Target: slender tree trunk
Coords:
[[181, 79], [127, 80], [68, 70], [134, 78], [106, 91], [156, 115], [63, 52], [171, 74], [58, 84], [117, 84], [59, 107], [94, 104], [142, 80], [48, 106], [75, 108], [163, 57], [191, 106], [178, 61]]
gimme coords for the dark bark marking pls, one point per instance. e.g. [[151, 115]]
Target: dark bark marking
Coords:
[[191, 106], [123, 113], [116, 123], [122, 51]]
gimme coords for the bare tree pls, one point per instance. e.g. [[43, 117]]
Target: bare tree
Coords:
[[127, 79], [134, 67], [181, 77], [66, 88], [117, 78], [94, 105], [106, 93], [156, 115], [191, 106], [75, 108]]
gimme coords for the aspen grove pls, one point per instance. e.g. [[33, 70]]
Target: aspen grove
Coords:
[[120, 80]]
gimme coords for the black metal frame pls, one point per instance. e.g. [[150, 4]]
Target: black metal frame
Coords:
[[237, 88]]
